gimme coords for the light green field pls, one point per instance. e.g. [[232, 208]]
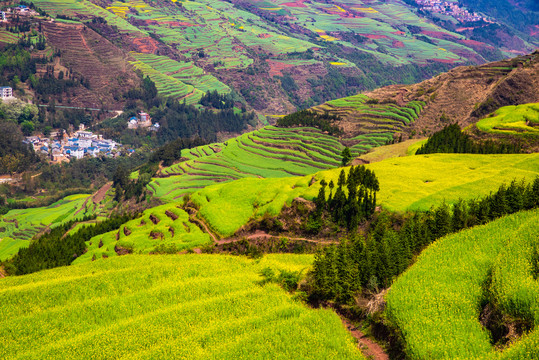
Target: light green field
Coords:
[[405, 148], [436, 303], [19, 226], [171, 232], [514, 120], [406, 183], [421, 181], [166, 307], [229, 206]]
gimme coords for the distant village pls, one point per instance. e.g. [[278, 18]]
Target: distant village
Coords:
[[59, 147], [450, 8]]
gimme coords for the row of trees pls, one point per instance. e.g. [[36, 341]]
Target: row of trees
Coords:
[[372, 261], [55, 249], [451, 139]]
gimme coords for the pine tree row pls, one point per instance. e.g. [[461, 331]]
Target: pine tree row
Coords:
[[369, 262]]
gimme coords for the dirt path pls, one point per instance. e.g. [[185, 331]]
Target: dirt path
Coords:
[[263, 235], [193, 218], [368, 347], [100, 194]]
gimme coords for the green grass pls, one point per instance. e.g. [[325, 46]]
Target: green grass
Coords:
[[436, 303], [514, 120], [229, 206], [163, 307], [421, 181], [21, 225], [172, 232], [406, 183]]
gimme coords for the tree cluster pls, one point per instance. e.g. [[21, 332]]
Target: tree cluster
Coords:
[[324, 121], [451, 139], [55, 249], [14, 154], [353, 201], [217, 101], [367, 263]]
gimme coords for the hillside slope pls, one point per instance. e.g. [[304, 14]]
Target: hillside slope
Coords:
[[444, 316], [103, 64], [466, 94], [277, 55], [162, 307]]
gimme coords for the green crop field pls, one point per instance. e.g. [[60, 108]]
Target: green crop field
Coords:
[[436, 303], [268, 152], [514, 120], [180, 80], [406, 183], [19, 226], [284, 152], [162, 307], [163, 228]]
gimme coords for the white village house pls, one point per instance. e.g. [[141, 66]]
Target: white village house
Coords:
[[6, 92]]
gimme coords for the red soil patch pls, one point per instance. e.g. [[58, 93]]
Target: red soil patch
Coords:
[[264, 36], [445, 61], [439, 35], [473, 43], [397, 44], [276, 67], [298, 3], [100, 194], [398, 33], [146, 45], [461, 29], [374, 37]]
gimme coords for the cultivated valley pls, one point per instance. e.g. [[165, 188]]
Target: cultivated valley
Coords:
[[248, 179]]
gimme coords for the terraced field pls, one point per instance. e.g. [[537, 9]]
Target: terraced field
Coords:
[[165, 229], [180, 80], [268, 152], [384, 26], [406, 183], [19, 226], [371, 124], [437, 302], [283, 152], [162, 307], [84, 9], [512, 120]]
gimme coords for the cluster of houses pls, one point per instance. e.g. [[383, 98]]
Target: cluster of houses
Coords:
[[21, 10], [61, 147], [143, 121], [450, 8]]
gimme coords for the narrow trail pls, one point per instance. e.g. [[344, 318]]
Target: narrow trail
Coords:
[[369, 348], [263, 235], [100, 194], [193, 218]]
